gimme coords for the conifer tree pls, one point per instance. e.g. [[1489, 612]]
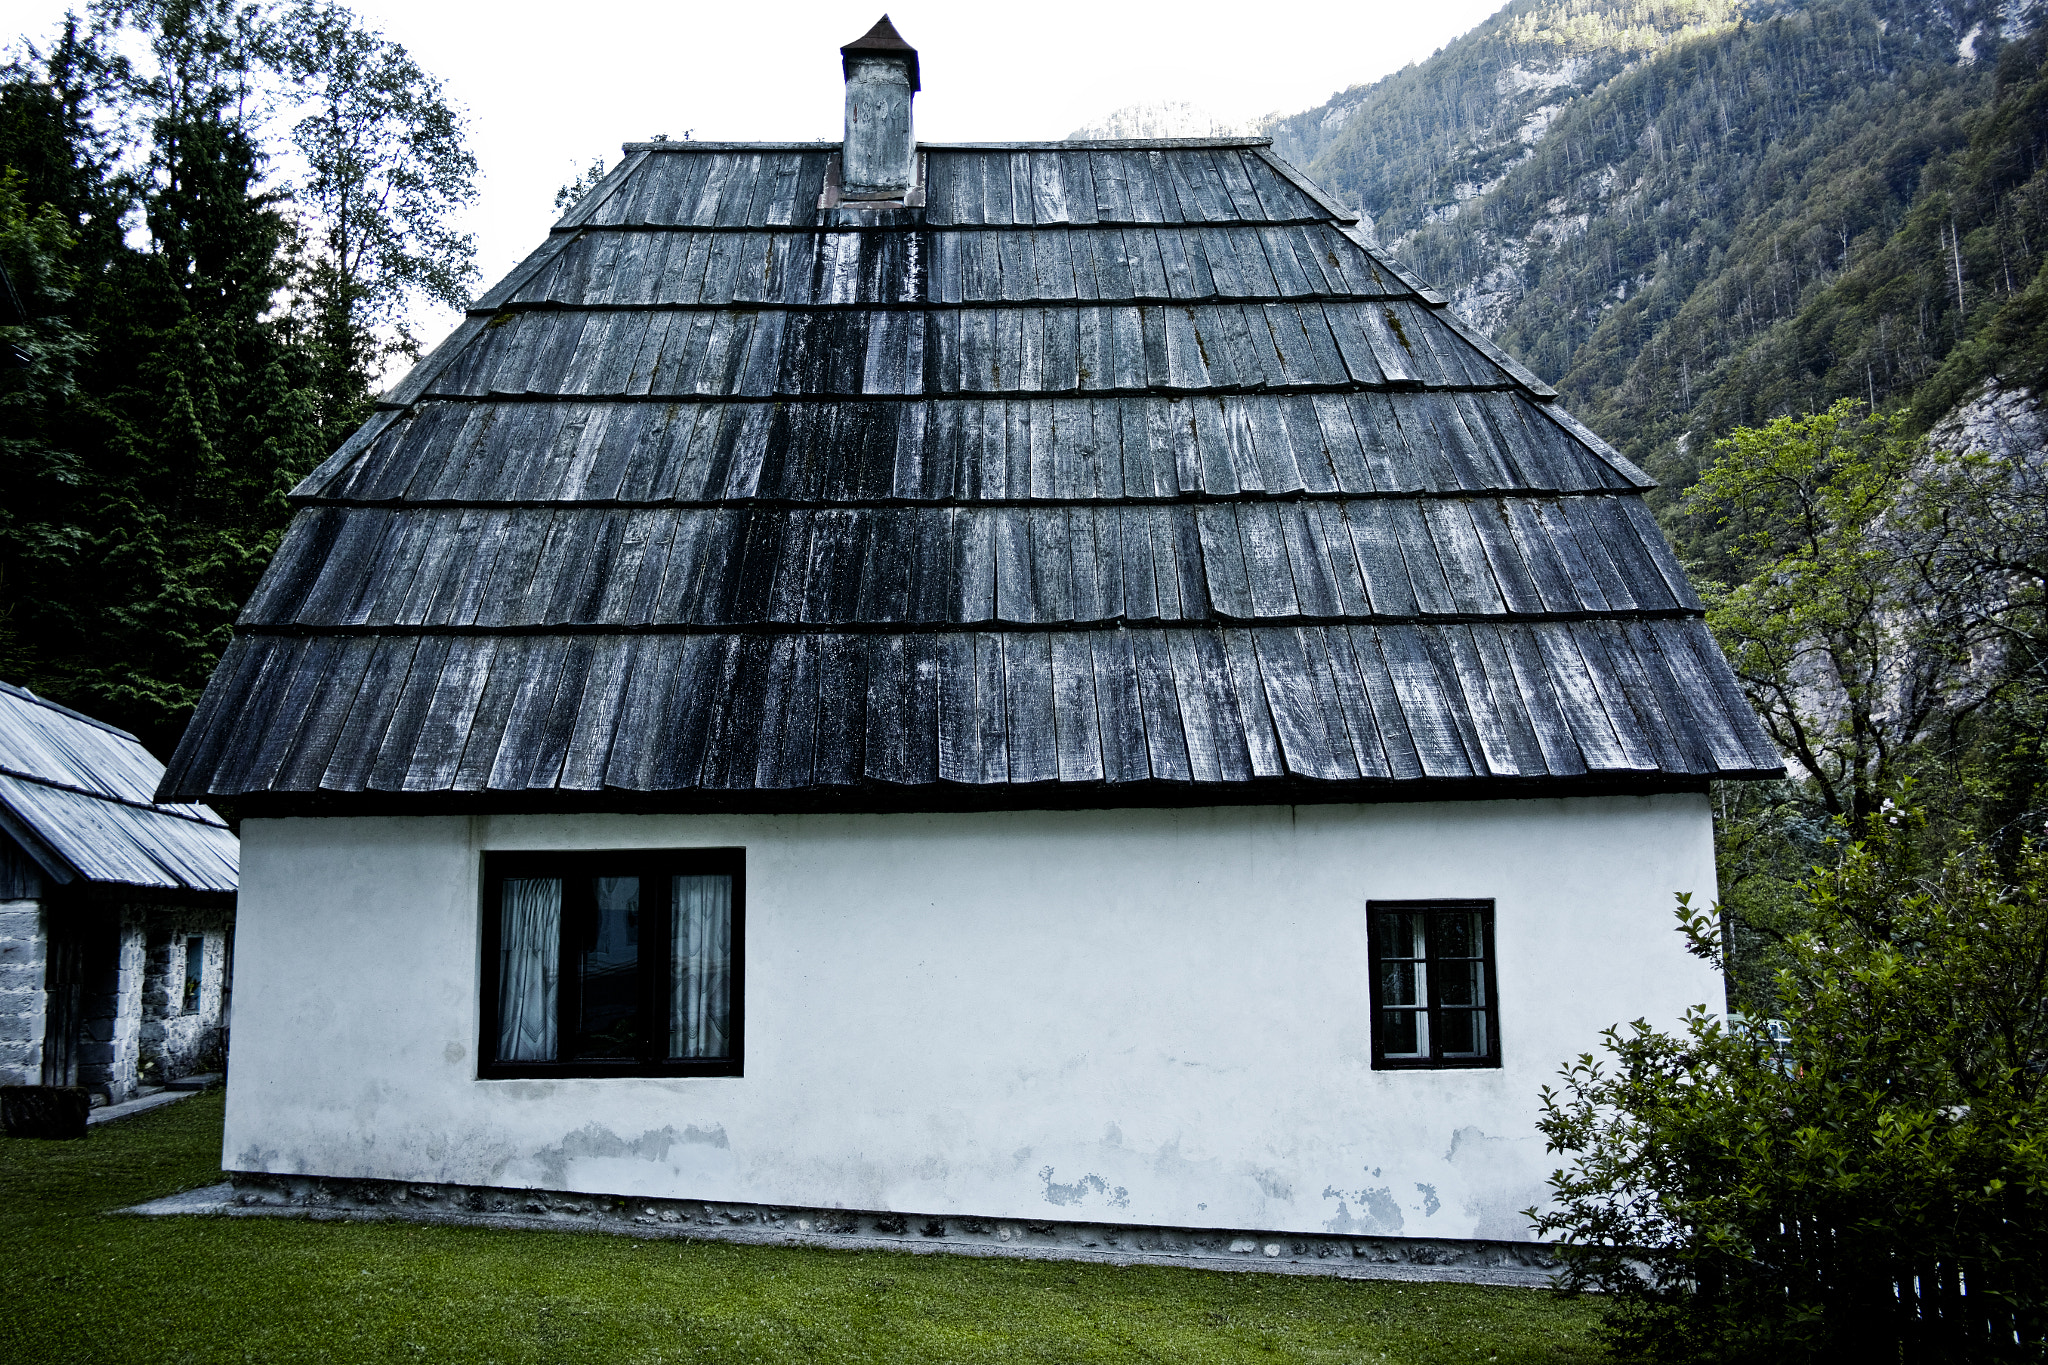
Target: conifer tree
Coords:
[[183, 379]]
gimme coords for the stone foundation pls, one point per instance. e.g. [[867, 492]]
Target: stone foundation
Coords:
[[1524, 1263]]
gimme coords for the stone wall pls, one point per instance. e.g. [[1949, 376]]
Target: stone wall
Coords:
[[138, 1023], [180, 1030], [23, 1006], [109, 1051]]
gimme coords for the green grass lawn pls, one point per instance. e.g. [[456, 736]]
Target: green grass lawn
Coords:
[[84, 1287]]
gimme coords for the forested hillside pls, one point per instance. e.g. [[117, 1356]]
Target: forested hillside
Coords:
[[1413, 146], [1172, 118], [1703, 215]]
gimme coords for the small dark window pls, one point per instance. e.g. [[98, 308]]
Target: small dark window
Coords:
[[612, 964], [1434, 998], [195, 972]]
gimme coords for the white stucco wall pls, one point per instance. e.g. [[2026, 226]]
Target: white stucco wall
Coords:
[[1130, 1016]]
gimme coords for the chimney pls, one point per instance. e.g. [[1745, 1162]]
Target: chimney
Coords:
[[880, 160]]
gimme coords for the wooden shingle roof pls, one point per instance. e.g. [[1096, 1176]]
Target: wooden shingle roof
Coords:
[[1115, 472]]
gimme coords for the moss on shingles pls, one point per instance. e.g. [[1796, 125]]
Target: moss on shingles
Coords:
[[84, 1287]]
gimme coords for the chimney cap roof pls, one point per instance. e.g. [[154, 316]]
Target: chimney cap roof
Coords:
[[882, 41]]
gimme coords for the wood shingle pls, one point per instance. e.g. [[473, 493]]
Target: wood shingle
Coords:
[[1114, 467]]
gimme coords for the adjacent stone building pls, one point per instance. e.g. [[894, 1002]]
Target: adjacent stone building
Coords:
[[116, 912]]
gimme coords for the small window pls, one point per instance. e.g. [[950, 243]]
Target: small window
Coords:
[[612, 964], [195, 972], [1434, 998]]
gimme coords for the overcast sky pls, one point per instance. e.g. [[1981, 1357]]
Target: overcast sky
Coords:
[[549, 87]]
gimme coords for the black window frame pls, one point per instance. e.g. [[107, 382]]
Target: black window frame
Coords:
[[1436, 1061], [654, 867]]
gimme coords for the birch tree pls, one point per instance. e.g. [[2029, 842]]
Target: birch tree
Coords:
[[386, 168]]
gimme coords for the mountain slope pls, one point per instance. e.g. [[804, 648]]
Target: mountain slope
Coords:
[[1701, 216], [1409, 149]]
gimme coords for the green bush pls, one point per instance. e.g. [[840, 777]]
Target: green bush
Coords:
[[1866, 1181]]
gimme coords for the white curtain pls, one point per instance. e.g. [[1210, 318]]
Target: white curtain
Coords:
[[529, 964], [700, 1015]]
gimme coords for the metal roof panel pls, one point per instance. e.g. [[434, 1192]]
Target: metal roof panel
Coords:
[[86, 793]]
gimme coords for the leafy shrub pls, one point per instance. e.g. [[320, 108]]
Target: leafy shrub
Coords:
[[1867, 1181]]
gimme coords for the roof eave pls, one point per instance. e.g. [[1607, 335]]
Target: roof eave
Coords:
[[881, 799], [53, 864], [1123, 144]]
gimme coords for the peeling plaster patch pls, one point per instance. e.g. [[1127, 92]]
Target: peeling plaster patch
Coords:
[[451, 1155], [1118, 1197], [1430, 1203], [1171, 1169], [1378, 1215], [594, 1140], [370, 1101], [1495, 1175], [1461, 1138]]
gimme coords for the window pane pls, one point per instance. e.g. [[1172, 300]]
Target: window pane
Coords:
[[1459, 935], [1401, 983], [1401, 934], [608, 1021], [529, 950], [1461, 983], [1404, 1033], [195, 971], [1463, 1032], [700, 1008]]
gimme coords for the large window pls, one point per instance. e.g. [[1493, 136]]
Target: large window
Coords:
[[1434, 1001], [612, 964]]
